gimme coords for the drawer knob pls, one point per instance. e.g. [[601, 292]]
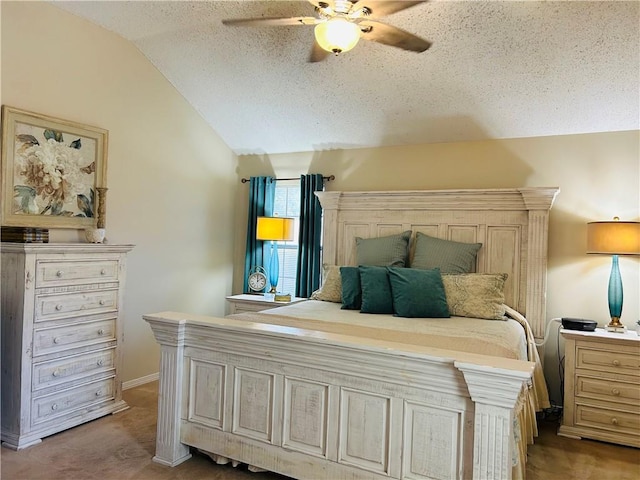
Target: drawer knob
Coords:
[[59, 273], [56, 373], [103, 272], [59, 307], [56, 340], [101, 302], [100, 362], [54, 406], [616, 363], [99, 394], [615, 391], [614, 421], [100, 332]]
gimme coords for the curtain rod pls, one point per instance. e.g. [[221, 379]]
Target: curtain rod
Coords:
[[329, 178]]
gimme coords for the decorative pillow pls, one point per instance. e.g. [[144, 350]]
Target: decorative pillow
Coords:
[[418, 293], [383, 251], [447, 255], [376, 290], [477, 295], [331, 288], [351, 290]]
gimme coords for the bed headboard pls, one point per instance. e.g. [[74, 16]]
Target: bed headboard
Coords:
[[511, 224]]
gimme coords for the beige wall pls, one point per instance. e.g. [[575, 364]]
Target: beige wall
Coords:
[[171, 178], [598, 174]]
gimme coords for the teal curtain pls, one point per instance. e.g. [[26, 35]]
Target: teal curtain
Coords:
[[309, 268], [262, 192]]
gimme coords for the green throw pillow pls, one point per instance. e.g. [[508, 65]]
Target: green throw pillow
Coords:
[[383, 251], [418, 293], [376, 290], [447, 255], [351, 290]]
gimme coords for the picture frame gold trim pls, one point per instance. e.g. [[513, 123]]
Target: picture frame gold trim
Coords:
[[91, 145]]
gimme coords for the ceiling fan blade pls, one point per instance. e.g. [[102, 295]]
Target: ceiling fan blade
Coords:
[[317, 53], [393, 36], [380, 8], [271, 21]]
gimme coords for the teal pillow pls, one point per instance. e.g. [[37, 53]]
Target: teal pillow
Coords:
[[447, 255], [351, 290], [376, 290], [383, 251], [418, 293]]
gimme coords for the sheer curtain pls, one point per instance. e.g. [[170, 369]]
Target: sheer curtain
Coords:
[[309, 267], [261, 198]]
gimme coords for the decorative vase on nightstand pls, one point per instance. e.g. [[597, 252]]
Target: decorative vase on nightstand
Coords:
[[638, 328]]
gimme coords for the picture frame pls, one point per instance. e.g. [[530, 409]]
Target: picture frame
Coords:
[[51, 171]]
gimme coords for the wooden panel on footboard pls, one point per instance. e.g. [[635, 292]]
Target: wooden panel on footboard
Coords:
[[310, 404]]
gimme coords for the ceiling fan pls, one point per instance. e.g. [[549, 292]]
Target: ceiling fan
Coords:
[[341, 23]]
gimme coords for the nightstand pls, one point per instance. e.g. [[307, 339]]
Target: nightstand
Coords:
[[602, 386], [255, 303]]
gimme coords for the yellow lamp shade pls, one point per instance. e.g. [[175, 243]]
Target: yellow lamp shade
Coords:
[[337, 35], [275, 228], [613, 238]]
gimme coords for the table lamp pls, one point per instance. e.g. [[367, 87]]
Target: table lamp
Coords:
[[614, 238], [274, 229]]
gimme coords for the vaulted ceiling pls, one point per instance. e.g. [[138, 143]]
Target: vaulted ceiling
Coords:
[[495, 70]]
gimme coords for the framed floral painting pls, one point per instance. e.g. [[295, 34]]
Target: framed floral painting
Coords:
[[51, 170]]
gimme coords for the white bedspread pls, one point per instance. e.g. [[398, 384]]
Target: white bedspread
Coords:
[[488, 337]]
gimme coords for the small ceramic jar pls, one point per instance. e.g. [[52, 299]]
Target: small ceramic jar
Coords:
[[94, 235]]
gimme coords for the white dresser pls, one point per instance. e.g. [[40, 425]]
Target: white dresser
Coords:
[[61, 336], [602, 386]]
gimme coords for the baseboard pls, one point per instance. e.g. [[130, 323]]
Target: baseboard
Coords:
[[136, 382]]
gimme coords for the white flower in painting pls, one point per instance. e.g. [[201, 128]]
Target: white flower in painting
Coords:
[[54, 170]]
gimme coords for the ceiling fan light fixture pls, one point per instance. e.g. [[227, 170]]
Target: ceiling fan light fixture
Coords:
[[337, 35]]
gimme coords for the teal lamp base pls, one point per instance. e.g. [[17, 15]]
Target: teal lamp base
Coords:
[[274, 268], [615, 298]]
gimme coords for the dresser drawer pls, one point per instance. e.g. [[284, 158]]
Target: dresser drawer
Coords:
[[609, 390], [612, 420], [52, 274], [608, 358], [50, 307], [49, 340], [56, 372], [68, 401]]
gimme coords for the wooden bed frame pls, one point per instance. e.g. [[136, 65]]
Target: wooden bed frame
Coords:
[[310, 404]]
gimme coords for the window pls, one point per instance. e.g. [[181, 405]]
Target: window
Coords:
[[287, 204]]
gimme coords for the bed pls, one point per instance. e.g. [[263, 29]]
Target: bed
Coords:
[[314, 391]]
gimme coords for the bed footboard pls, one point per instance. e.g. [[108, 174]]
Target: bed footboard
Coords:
[[309, 404]]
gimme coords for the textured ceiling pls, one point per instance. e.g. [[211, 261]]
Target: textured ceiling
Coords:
[[495, 70]]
